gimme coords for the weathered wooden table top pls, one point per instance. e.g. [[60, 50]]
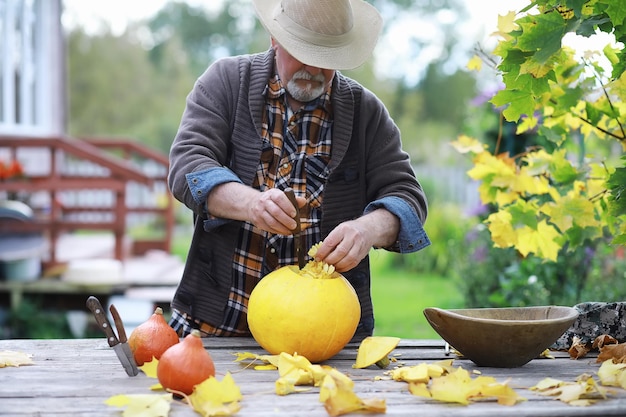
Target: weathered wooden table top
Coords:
[[74, 377]]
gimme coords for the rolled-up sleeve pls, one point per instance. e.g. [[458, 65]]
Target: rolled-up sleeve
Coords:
[[412, 236], [202, 182]]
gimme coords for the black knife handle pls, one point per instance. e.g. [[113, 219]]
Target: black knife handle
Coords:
[[297, 231], [99, 313]]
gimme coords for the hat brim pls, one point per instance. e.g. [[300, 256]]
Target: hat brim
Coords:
[[367, 27]]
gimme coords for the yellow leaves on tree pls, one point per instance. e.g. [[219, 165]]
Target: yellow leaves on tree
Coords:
[[14, 358], [539, 196], [441, 382]]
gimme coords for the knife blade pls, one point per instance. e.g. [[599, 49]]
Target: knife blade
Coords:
[[99, 313], [121, 336], [297, 235]]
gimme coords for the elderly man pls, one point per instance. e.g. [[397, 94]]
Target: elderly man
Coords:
[[255, 125]]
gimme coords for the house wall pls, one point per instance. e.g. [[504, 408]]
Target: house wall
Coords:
[[32, 68]]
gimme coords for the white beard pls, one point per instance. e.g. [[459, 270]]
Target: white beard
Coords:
[[309, 92]]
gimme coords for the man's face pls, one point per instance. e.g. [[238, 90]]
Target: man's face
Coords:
[[303, 83]]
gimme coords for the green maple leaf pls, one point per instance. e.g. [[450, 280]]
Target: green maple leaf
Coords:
[[616, 11], [542, 34], [617, 185], [519, 103]]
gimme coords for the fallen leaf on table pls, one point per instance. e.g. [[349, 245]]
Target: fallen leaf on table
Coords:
[[14, 358], [603, 339], [459, 387], [142, 405], [578, 348], [150, 368], [216, 398], [375, 350], [442, 382], [615, 352], [269, 362], [612, 374], [546, 354], [297, 370], [417, 373], [336, 392], [583, 392]]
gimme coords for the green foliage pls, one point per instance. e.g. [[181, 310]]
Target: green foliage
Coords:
[[446, 227], [114, 90], [400, 295], [494, 277], [554, 198], [30, 321]]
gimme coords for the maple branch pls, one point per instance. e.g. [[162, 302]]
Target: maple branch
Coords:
[[606, 132], [499, 140], [485, 56], [608, 99]]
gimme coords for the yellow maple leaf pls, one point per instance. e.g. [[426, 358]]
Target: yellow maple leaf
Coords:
[[375, 350], [475, 63], [417, 373], [582, 392], [14, 358], [216, 398], [270, 362], [612, 374], [145, 405], [571, 209], [541, 241], [419, 389], [506, 24], [502, 232], [465, 144], [336, 392], [487, 166], [150, 368]]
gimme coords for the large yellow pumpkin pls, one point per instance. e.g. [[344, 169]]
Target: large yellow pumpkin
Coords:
[[313, 311]]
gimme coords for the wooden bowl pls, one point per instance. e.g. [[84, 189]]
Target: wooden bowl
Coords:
[[501, 337]]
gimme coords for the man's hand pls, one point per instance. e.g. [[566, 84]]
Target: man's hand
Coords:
[[269, 210], [350, 242], [272, 211]]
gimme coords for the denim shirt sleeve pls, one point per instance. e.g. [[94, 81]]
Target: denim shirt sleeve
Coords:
[[412, 236], [202, 182]]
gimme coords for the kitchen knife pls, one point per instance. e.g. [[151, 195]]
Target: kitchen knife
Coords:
[[99, 313], [121, 336], [297, 236]]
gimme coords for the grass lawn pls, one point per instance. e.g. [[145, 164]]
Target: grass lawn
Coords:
[[399, 300]]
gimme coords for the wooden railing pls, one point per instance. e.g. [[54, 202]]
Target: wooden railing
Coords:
[[58, 170]]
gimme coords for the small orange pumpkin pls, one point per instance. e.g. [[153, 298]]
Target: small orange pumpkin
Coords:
[[152, 338], [185, 365], [313, 311]]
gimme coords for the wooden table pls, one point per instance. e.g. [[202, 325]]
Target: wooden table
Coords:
[[74, 377]]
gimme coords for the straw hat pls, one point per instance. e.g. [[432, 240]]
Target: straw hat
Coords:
[[329, 34]]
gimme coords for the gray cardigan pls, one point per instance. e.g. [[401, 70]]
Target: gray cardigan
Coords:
[[221, 128]]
